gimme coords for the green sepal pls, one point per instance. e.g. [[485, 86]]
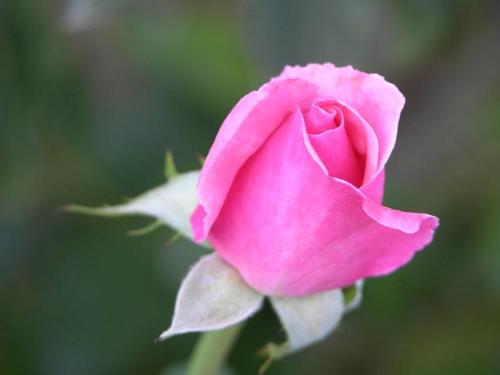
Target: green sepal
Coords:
[[174, 238], [170, 169], [349, 294], [150, 228], [271, 352]]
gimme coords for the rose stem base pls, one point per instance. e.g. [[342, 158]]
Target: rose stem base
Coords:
[[211, 351]]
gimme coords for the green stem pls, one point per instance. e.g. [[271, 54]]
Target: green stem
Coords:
[[211, 351]]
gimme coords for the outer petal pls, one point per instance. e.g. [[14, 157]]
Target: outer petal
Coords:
[[243, 132], [376, 100], [291, 230], [213, 296]]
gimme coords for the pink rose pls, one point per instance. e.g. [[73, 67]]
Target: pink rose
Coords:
[[291, 190]]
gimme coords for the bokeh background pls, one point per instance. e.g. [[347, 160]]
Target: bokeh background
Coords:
[[93, 92]]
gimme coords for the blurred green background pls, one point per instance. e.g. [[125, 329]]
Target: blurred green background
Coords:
[[93, 92]]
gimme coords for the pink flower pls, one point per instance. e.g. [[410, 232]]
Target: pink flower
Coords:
[[290, 193]]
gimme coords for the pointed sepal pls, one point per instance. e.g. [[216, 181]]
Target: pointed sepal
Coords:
[[309, 319], [171, 203], [212, 296]]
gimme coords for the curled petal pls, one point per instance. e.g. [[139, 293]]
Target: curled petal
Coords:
[[342, 149], [212, 296], [377, 101], [244, 131], [375, 189]]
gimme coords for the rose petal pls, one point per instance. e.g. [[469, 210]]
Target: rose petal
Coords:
[[310, 319], [212, 296], [322, 116], [337, 155], [243, 132], [376, 100], [172, 203], [375, 189], [350, 151], [291, 230]]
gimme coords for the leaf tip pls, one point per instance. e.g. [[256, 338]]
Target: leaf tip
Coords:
[[91, 211], [165, 335]]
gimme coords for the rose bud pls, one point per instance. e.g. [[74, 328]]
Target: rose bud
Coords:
[[291, 191]]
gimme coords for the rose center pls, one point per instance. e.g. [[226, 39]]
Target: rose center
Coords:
[[323, 116], [329, 131]]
